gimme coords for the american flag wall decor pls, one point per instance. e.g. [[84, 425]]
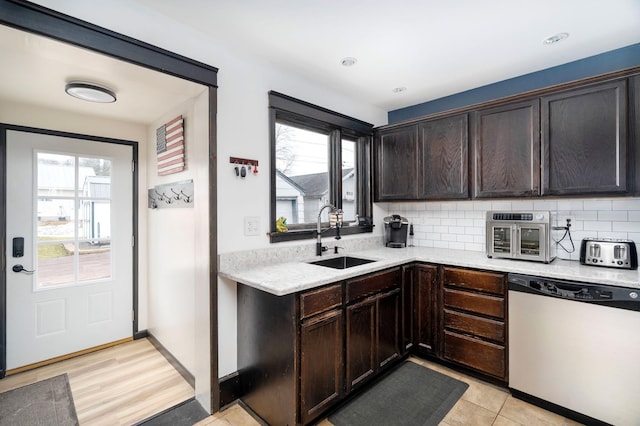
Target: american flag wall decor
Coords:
[[170, 147]]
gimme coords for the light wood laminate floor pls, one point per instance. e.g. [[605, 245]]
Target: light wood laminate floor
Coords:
[[121, 385], [481, 405]]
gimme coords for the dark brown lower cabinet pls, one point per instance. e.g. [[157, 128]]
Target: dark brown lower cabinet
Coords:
[[321, 376], [426, 309], [300, 354], [373, 331], [360, 342], [388, 327], [473, 314]]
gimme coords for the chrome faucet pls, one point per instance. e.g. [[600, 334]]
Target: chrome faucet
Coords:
[[319, 248]]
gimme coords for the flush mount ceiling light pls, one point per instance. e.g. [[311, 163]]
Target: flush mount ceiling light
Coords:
[[556, 38], [348, 61], [90, 92]]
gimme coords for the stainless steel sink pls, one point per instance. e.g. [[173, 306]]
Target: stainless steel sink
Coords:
[[342, 262]]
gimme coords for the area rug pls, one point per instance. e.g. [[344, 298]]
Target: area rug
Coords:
[[186, 414], [44, 403], [410, 395]]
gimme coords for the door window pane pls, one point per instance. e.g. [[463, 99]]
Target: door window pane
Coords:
[[55, 264], [94, 262], [56, 175], [302, 173]]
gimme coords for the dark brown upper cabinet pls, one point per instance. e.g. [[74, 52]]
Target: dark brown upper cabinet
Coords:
[[584, 140], [396, 165], [428, 160], [443, 158], [506, 151]]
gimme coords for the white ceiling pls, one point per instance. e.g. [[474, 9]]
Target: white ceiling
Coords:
[[434, 48], [35, 69]]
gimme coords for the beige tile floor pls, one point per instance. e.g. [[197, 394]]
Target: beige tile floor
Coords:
[[482, 404]]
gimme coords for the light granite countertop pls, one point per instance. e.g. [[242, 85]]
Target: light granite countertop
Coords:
[[294, 276]]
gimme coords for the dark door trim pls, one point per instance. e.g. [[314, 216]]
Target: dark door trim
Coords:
[[39, 20]]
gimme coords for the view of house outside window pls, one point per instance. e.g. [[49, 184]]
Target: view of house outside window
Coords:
[[73, 219], [302, 175]]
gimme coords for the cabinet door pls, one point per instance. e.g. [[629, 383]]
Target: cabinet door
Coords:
[[396, 165], [360, 342], [408, 298], [584, 134], [426, 308], [443, 158], [388, 327], [321, 343], [506, 144]]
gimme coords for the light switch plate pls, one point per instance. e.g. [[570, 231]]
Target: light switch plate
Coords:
[[251, 225]]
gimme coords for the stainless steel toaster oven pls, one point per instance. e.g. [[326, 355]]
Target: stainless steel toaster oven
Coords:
[[520, 235]]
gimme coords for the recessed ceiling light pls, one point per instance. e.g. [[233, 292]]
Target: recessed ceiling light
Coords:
[[348, 61], [556, 38], [90, 92], [398, 89]]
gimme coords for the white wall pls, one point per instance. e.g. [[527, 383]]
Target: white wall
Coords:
[[242, 121], [178, 257], [50, 119]]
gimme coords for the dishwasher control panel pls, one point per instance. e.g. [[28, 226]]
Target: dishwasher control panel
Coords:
[[619, 297]]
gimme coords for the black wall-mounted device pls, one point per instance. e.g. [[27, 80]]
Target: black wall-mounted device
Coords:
[[18, 247]]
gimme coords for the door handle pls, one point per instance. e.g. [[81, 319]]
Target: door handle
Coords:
[[20, 268]]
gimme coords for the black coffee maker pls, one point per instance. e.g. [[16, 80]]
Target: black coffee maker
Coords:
[[395, 231]]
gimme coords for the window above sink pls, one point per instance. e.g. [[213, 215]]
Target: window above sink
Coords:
[[317, 157]]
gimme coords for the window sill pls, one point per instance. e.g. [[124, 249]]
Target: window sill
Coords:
[[307, 234]]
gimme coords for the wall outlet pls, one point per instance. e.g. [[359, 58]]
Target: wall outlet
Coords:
[[251, 226], [562, 220]]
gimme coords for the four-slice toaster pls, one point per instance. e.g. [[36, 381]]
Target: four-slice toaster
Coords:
[[609, 252]]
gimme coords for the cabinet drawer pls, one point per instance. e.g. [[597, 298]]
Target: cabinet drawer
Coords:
[[475, 280], [475, 353], [474, 302], [315, 301], [374, 283], [482, 327]]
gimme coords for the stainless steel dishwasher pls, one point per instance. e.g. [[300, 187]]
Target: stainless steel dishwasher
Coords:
[[577, 346]]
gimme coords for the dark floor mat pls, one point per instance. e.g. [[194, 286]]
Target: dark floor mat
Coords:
[[186, 414], [410, 395], [48, 402]]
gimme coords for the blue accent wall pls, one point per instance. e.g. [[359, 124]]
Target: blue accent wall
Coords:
[[626, 57]]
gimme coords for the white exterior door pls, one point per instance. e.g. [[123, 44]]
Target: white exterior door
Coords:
[[71, 201]]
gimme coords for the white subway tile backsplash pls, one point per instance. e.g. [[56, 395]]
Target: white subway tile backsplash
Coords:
[[626, 226], [465, 238], [453, 224], [522, 205], [626, 204], [474, 247], [585, 215], [550, 205], [501, 205], [456, 230], [598, 204], [597, 226], [481, 205], [570, 205], [613, 215]]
